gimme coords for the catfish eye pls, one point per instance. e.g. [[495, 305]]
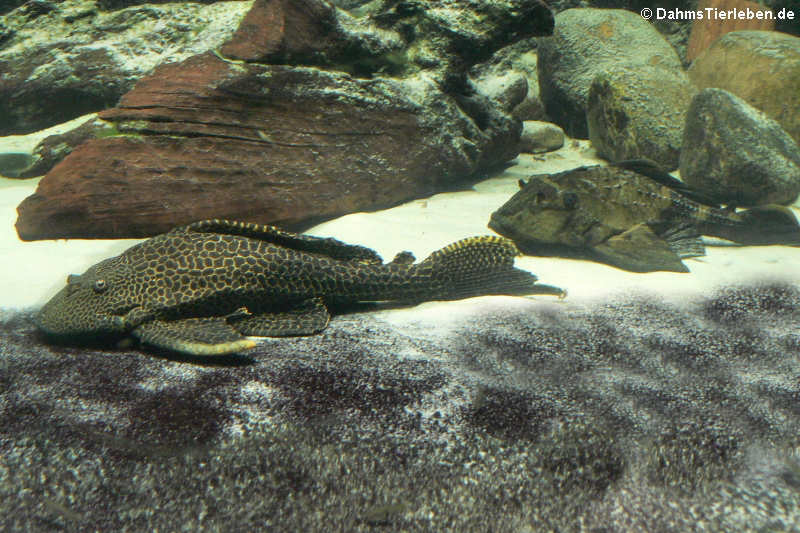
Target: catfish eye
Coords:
[[100, 285], [570, 200]]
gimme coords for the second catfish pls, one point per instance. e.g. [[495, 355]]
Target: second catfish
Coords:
[[632, 216]]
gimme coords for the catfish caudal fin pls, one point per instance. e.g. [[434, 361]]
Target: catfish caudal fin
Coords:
[[769, 224], [478, 266]]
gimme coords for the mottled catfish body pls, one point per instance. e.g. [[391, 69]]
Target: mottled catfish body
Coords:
[[628, 219], [201, 289]]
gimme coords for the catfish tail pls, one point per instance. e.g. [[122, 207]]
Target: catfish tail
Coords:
[[772, 224], [478, 266], [762, 225]]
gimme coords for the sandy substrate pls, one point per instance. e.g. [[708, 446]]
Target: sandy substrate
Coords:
[[32, 271]]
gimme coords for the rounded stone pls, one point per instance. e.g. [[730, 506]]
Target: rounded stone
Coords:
[[737, 155], [585, 43], [538, 137], [761, 67], [635, 113]]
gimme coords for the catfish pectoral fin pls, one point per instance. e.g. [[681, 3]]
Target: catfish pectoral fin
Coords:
[[194, 336], [541, 288], [684, 240], [640, 249], [305, 318]]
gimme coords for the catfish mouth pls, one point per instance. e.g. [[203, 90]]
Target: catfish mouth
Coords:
[[60, 319], [61, 332], [97, 340], [54, 332]]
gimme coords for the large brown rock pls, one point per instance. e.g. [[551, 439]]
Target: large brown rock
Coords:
[[262, 36], [262, 143], [710, 28], [296, 119], [315, 33], [62, 59]]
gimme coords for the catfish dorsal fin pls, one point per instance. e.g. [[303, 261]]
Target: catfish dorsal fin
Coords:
[[328, 246], [652, 170]]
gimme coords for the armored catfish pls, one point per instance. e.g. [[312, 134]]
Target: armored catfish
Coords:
[[632, 216], [201, 289]]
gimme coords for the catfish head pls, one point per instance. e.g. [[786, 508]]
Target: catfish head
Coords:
[[93, 305], [542, 212]]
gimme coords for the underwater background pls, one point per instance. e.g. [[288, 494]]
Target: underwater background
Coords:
[[660, 395]]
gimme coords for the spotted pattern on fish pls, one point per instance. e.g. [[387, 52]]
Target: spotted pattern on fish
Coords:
[[200, 288]]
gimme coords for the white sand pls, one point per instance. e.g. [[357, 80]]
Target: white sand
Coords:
[[32, 271]]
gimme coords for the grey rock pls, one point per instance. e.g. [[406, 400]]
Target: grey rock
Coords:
[[585, 43], [518, 59], [635, 113], [52, 149], [447, 37], [538, 137], [111, 5], [676, 32], [8, 5], [761, 67], [12, 164], [635, 415], [349, 4], [507, 90], [72, 58], [737, 155], [531, 108]]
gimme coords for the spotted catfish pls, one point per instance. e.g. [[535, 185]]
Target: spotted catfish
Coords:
[[632, 215], [202, 289]]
